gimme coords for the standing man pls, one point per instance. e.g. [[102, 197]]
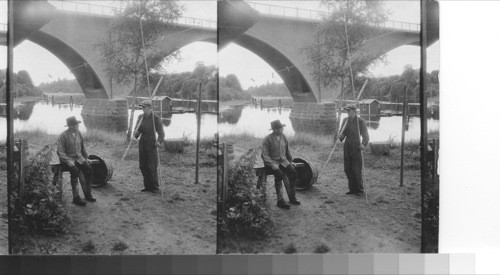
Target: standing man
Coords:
[[353, 126], [278, 161], [148, 153], [73, 155]]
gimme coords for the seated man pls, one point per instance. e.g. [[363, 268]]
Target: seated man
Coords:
[[72, 153], [278, 161]]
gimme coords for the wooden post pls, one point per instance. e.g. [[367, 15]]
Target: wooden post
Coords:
[[9, 85], [22, 160], [425, 233], [225, 167], [198, 126], [261, 103], [403, 140]]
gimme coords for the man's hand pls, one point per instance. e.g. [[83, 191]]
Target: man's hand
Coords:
[[341, 137], [71, 163], [275, 167], [361, 147], [136, 134], [293, 164]]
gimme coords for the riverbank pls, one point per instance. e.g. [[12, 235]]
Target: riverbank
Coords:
[[182, 222], [230, 103], [328, 220]]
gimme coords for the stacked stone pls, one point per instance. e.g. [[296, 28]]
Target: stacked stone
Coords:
[[105, 114], [311, 117]]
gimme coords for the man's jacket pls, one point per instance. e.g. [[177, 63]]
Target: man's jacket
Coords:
[[71, 147], [351, 131], [275, 150]]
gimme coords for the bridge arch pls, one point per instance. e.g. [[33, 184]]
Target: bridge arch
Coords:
[[85, 75], [292, 77]]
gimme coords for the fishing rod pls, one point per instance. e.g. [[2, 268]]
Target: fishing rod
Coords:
[[138, 125], [341, 132]]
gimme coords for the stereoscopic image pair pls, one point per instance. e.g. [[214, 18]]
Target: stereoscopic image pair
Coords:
[[212, 127]]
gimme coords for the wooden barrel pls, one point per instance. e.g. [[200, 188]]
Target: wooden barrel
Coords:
[[307, 173], [103, 170]]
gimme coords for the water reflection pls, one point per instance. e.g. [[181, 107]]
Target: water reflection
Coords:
[[372, 122], [231, 115], [52, 119], [256, 121]]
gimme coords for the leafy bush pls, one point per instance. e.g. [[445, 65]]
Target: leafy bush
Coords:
[[41, 209], [246, 214]]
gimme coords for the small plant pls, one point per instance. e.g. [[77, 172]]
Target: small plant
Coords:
[[290, 249], [322, 249], [41, 209], [246, 214], [89, 247], [120, 246]]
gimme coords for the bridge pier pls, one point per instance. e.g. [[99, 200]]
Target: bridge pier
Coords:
[[105, 114], [312, 117]]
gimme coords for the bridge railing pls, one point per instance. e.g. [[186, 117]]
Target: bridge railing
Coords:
[[315, 15], [103, 10]]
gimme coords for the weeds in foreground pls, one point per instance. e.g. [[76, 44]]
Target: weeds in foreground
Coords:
[[120, 246], [290, 249], [322, 249], [41, 209], [89, 247], [246, 213]]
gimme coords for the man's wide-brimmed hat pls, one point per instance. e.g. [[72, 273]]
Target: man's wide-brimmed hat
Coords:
[[276, 124], [145, 103], [70, 121], [350, 107]]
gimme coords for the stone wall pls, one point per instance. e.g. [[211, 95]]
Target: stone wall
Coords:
[[317, 118], [105, 114]]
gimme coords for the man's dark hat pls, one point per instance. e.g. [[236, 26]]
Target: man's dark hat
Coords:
[[145, 103], [276, 125], [350, 107], [72, 121]]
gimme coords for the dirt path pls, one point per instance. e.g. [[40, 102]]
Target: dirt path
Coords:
[[183, 223], [327, 218]]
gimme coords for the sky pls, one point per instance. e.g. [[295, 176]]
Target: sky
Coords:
[[257, 72], [44, 67]]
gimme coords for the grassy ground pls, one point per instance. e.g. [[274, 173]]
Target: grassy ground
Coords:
[[127, 221], [330, 221]]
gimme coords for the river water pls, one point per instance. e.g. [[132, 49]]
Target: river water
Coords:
[[252, 119], [232, 120], [52, 118]]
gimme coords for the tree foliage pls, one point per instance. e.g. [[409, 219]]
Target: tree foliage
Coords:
[[122, 48], [184, 85], [332, 54], [23, 85], [230, 89]]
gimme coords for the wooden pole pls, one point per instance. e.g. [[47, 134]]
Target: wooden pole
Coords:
[[225, 163], [423, 123], [403, 139], [10, 123], [198, 126], [22, 160]]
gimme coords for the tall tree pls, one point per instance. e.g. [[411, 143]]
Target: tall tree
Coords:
[[123, 52], [336, 55]]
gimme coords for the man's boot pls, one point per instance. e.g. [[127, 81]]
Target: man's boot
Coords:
[[290, 191], [279, 194], [88, 197], [79, 201]]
